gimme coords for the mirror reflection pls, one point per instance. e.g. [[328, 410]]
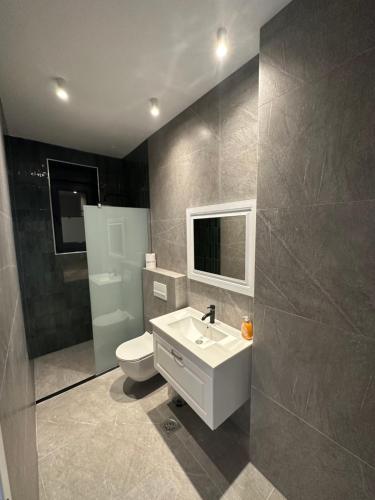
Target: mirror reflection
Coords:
[[220, 245]]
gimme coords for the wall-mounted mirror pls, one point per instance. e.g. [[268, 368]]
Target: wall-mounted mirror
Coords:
[[221, 245]]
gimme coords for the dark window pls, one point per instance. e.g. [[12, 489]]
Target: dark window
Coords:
[[72, 187]]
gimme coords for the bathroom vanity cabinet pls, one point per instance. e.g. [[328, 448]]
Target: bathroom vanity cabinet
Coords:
[[208, 365]]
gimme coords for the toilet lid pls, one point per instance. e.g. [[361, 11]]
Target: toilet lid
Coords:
[[136, 349]]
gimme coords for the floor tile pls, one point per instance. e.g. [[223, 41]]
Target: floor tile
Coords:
[[105, 440], [60, 369]]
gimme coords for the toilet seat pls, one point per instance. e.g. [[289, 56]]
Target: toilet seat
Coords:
[[136, 349]]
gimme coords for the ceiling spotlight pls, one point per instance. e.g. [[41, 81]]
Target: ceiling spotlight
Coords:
[[60, 89], [221, 43], [154, 107]]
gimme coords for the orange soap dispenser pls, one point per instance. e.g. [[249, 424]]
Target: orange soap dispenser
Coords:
[[247, 328]]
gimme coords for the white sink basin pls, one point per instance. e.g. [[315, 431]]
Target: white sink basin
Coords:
[[195, 330], [213, 344]]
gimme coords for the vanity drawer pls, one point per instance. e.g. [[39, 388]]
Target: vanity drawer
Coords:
[[187, 378]]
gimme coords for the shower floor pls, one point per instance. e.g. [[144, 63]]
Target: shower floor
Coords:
[[60, 369], [107, 440]]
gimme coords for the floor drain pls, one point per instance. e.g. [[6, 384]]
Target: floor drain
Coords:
[[170, 425], [199, 341]]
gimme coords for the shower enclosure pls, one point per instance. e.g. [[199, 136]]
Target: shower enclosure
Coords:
[[117, 239]]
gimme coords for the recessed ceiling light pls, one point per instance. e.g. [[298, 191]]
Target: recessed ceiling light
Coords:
[[221, 43], [60, 89], [154, 107]]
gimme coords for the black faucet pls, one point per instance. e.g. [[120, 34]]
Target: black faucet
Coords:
[[211, 314]]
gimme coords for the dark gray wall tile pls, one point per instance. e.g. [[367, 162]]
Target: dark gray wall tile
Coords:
[[312, 429], [17, 407], [6, 246], [230, 306], [308, 39], [169, 243], [302, 462], [176, 294], [317, 143], [322, 374], [8, 299], [17, 414], [206, 155], [5, 206], [321, 260], [239, 133]]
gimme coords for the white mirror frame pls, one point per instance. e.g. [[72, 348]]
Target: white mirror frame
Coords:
[[247, 208]]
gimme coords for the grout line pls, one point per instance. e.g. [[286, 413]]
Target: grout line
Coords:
[[314, 428]]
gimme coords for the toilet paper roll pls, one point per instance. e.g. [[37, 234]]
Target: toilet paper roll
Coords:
[[150, 261]]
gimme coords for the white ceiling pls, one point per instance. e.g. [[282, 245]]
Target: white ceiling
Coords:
[[115, 55]]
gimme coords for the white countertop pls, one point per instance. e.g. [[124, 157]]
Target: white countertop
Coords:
[[213, 355]]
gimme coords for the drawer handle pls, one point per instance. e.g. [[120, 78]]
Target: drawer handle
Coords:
[[177, 356]]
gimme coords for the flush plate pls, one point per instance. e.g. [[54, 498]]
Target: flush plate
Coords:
[[160, 290]]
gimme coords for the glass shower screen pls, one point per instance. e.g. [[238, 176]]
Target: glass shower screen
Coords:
[[116, 242]]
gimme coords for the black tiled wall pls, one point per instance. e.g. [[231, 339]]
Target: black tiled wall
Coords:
[[55, 288]]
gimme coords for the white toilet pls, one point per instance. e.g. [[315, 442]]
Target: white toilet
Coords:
[[136, 357]]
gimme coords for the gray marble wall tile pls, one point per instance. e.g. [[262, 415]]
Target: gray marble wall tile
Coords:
[[4, 192], [230, 306], [238, 171], [8, 299], [302, 462], [206, 155], [169, 243], [193, 130], [17, 414], [310, 38], [239, 133], [17, 407], [311, 428], [176, 294], [192, 181], [317, 143], [322, 374], [319, 262]]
